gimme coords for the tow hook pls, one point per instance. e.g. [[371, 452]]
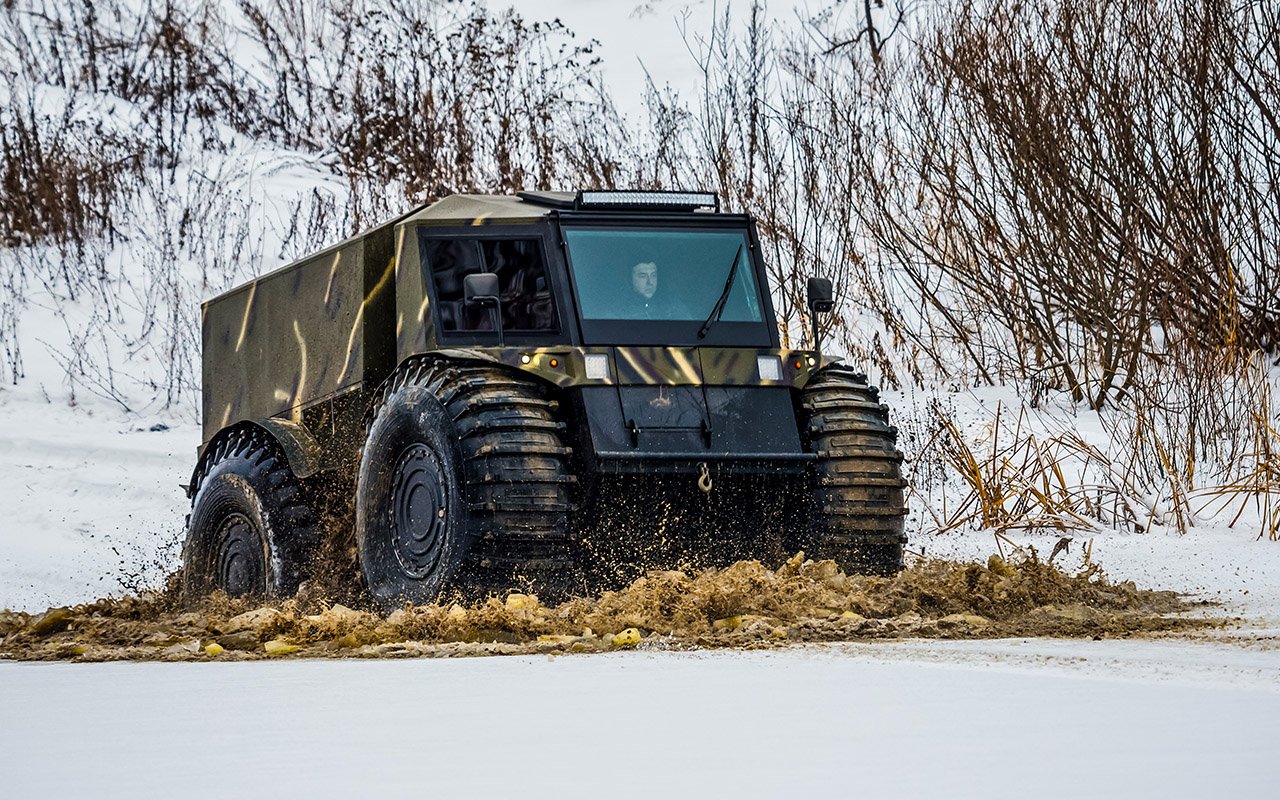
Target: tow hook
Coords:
[[704, 477]]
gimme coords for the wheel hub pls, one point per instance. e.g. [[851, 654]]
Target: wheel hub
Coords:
[[419, 504], [241, 563]]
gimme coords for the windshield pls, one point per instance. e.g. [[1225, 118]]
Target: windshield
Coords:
[[668, 275]]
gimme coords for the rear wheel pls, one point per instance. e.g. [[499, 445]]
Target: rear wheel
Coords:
[[855, 504], [464, 475], [251, 531]]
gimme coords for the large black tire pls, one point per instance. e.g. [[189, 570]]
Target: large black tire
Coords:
[[464, 475], [251, 531], [855, 505]]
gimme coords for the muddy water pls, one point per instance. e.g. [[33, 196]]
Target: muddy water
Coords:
[[745, 605]]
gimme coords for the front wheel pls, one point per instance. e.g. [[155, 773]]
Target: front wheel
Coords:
[[411, 517], [856, 505], [464, 478]]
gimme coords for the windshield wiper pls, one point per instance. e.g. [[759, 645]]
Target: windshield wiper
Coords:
[[718, 309]]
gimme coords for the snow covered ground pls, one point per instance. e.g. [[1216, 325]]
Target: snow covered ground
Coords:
[[91, 502], [985, 719]]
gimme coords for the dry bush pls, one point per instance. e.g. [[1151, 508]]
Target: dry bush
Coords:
[[132, 130], [1258, 489], [433, 98], [1235, 438], [422, 98], [1067, 197], [1249, 47], [1052, 180], [775, 132], [58, 179], [1003, 192]]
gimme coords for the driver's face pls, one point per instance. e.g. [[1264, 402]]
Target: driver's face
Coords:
[[644, 279]]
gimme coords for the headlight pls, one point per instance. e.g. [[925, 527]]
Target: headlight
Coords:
[[653, 201], [597, 366], [769, 367]]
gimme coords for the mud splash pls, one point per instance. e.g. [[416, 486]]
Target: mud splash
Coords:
[[745, 605]]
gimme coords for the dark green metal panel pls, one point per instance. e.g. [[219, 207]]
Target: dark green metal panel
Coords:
[[305, 455], [284, 339], [414, 332], [312, 330]]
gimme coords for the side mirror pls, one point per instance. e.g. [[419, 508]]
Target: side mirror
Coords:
[[821, 300], [482, 287]]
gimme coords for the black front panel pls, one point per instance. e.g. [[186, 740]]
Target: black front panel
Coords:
[[670, 428], [752, 419], [665, 417]]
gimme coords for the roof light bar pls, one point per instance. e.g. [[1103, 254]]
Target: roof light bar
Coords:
[[647, 201]]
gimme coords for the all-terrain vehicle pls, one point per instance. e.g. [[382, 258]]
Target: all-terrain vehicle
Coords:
[[525, 388]]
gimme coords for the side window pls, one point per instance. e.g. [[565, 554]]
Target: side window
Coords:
[[526, 293], [527, 303], [448, 261]]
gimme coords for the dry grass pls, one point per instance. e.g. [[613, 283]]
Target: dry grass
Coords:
[[1259, 487], [1018, 481], [1207, 453]]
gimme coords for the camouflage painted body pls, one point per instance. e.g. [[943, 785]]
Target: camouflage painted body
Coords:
[[656, 366], [504, 392], [301, 351], [304, 334]]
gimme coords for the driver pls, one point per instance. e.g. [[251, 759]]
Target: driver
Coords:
[[644, 279], [646, 301]]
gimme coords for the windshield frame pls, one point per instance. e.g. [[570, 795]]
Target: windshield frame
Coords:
[[676, 333]]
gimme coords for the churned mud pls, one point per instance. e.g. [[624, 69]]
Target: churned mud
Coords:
[[745, 605]]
